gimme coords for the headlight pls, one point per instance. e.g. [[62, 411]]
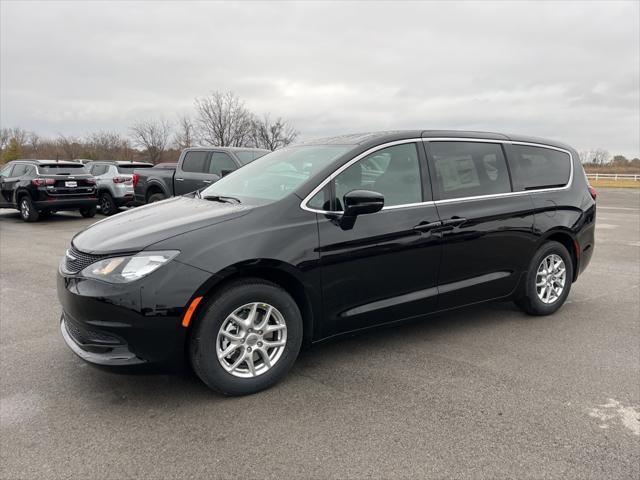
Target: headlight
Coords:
[[128, 268]]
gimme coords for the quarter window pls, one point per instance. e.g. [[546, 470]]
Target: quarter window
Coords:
[[469, 169], [194, 162], [221, 162], [539, 167], [394, 172]]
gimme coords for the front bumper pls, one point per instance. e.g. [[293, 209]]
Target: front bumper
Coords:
[[131, 324]]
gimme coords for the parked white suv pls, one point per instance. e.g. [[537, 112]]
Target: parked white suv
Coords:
[[114, 180]]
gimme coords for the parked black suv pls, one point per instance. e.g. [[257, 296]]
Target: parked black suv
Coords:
[[324, 238], [38, 188]]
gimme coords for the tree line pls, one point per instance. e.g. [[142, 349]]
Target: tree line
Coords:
[[219, 119]]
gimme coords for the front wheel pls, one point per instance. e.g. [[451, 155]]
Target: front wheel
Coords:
[[247, 338], [88, 212], [28, 211], [548, 280]]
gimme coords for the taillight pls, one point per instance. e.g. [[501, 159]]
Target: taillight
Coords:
[[121, 179], [135, 179], [90, 181], [593, 192], [41, 182]]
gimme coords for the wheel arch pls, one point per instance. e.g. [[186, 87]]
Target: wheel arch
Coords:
[[568, 240], [154, 187], [280, 273]]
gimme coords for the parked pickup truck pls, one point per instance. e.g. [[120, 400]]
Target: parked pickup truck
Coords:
[[196, 168]]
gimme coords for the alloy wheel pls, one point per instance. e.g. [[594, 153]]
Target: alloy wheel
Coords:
[[251, 340], [24, 208], [550, 278]]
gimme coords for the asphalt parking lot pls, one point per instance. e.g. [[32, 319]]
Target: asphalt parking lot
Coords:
[[481, 393]]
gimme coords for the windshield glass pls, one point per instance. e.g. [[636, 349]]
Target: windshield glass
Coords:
[[62, 169], [278, 173], [248, 156]]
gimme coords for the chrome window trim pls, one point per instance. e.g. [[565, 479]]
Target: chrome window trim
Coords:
[[303, 204]]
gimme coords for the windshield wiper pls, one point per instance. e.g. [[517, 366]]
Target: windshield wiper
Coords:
[[221, 198]]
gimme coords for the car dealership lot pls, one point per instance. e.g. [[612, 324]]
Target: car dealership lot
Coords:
[[484, 392]]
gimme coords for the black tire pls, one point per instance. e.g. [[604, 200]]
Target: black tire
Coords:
[[27, 209], [107, 204], [44, 214], [202, 347], [88, 212], [156, 197], [530, 302]]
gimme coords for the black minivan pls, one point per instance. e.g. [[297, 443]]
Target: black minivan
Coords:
[[324, 238]]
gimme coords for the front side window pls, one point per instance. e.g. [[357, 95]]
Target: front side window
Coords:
[[539, 167], [278, 173], [394, 172], [469, 169], [6, 170], [19, 170], [221, 162], [194, 162]]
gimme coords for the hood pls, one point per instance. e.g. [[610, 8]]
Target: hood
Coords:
[[138, 228]]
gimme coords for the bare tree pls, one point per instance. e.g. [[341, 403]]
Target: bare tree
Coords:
[[34, 142], [20, 134], [5, 135], [224, 121], [105, 145], [598, 156], [185, 136], [273, 134], [71, 146], [153, 136]]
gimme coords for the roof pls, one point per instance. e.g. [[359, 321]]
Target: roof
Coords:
[[121, 162], [229, 149], [392, 135], [47, 162]]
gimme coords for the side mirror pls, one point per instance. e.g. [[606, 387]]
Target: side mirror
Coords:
[[360, 202], [226, 172]]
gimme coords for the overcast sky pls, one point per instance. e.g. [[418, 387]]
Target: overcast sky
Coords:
[[569, 71]]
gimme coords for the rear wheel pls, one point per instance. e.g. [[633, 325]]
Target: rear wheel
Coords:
[[156, 197], [28, 211], [548, 280], [107, 204], [88, 212], [247, 338]]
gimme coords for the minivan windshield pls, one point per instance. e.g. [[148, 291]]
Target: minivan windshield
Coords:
[[278, 173]]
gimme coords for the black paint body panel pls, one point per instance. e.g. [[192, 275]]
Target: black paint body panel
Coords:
[[381, 270]]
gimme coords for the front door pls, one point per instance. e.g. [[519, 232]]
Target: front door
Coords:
[[193, 172], [8, 182], [487, 230], [385, 267]]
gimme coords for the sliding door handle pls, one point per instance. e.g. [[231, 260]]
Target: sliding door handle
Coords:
[[426, 227]]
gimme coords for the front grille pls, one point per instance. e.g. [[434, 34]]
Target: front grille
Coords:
[[75, 260]]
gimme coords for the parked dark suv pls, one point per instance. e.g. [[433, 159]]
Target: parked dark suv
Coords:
[[38, 188], [324, 238]]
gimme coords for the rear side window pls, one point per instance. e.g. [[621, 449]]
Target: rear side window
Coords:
[[220, 162], [98, 170], [194, 162], [469, 169], [539, 167]]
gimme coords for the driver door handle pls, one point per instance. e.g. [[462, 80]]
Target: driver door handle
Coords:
[[179, 179], [426, 227]]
